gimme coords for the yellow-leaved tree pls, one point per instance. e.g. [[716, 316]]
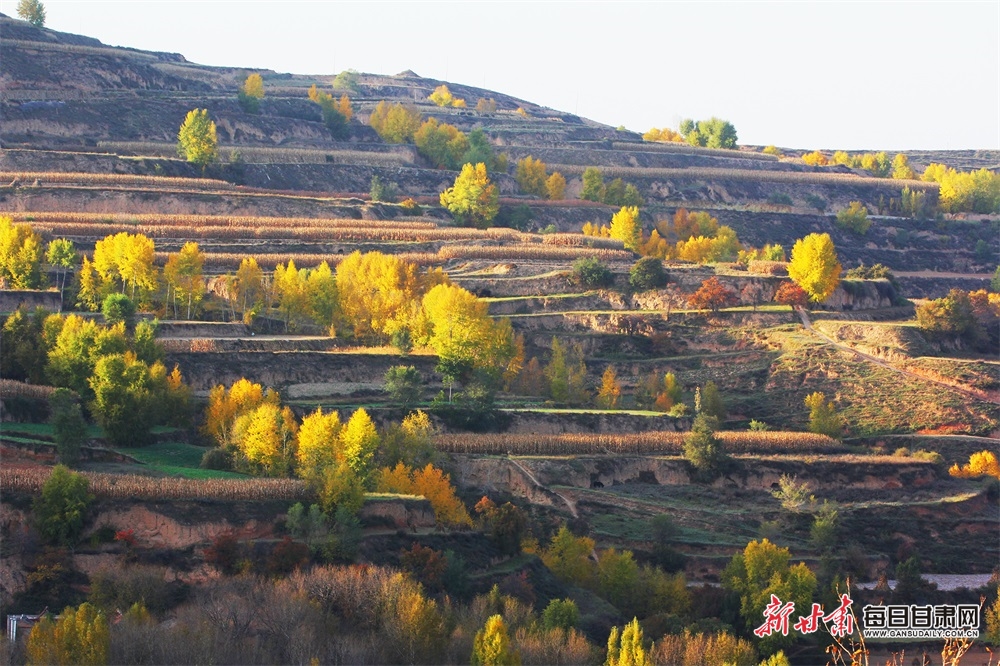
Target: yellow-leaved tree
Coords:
[[225, 406], [376, 292], [359, 439], [814, 266], [265, 439], [432, 484], [183, 274], [443, 97], [80, 636], [455, 323], [981, 463], [473, 199], [20, 254], [251, 92], [531, 176], [625, 226], [126, 259], [555, 186], [396, 123], [319, 446], [611, 390], [197, 141]]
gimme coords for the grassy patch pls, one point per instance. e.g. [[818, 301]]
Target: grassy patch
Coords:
[[177, 459]]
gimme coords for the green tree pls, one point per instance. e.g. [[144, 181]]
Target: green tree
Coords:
[[80, 636], [197, 141], [992, 634], [593, 185], [69, 429], [995, 281], [591, 272], [618, 577], [561, 614], [492, 647], [647, 273], [763, 569], [629, 650], [61, 510], [473, 199], [855, 218], [712, 403], [568, 557], [118, 309], [32, 11], [403, 384], [127, 398], [76, 347], [567, 374], [823, 417], [62, 255], [814, 266], [442, 144], [481, 150], [25, 344], [711, 133], [20, 255], [701, 447]]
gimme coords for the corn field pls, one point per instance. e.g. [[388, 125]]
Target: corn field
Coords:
[[14, 389], [579, 240], [263, 155], [235, 221], [375, 233], [26, 178], [754, 175], [531, 252], [134, 486], [646, 443], [268, 260], [683, 148]]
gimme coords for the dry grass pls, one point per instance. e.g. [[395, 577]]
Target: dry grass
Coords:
[[133, 486], [647, 443], [761, 267]]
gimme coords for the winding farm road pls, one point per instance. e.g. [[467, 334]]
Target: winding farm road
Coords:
[[528, 473], [978, 395]]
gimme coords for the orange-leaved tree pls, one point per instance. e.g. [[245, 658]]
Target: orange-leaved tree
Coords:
[[712, 295], [432, 484]]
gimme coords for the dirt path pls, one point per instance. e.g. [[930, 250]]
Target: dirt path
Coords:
[[888, 366], [528, 473]]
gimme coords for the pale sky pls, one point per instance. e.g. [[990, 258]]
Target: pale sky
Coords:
[[835, 75]]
